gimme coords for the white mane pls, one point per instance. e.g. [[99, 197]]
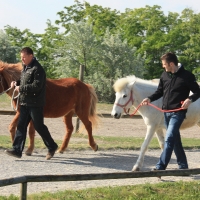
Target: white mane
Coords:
[[121, 83]]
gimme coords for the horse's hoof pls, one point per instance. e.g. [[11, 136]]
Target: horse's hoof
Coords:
[[59, 151], [135, 169], [96, 148], [28, 153]]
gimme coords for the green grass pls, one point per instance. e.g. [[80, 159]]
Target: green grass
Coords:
[[104, 143], [5, 102], [165, 191]]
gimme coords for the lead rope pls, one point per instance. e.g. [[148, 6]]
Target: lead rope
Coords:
[[13, 98], [152, 105], [5, 91]]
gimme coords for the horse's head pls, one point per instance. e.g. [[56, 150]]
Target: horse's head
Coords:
[[3, 83], [8, 73], [123, 97]]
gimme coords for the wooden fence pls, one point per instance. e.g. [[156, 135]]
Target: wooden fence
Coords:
[[105, 115], [23, 180]]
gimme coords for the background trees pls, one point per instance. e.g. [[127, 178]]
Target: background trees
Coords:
[[110, 44], [7, 51]]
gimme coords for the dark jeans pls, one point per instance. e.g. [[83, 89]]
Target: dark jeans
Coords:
[[36, 115], [173, 121]]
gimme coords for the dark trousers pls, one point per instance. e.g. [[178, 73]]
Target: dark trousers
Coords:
[[35, 114]]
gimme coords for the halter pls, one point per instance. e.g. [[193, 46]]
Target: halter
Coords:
[[124, 106]]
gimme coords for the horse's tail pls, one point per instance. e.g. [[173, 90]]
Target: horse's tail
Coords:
[[93, 117]]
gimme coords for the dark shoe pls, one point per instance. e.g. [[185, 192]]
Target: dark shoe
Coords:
[[50, 154], [154, 169], [13, 153]]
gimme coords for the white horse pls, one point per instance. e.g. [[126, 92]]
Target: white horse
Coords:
[[130, 91]]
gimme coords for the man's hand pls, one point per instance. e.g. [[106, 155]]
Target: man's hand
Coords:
[[145, 101], [186, 104], [13, 84]]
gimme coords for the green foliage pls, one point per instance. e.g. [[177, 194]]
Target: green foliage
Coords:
[[100, 18], [20, 39], [71, 15], [46, 53], [7, 51], [78, 48]]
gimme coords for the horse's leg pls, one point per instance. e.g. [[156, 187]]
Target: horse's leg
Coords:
[[160, 137], [198, 124], [149, 134], [13, 126], [67, 119], [88, 126], [31, 131]]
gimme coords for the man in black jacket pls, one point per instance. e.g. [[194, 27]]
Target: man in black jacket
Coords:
[[174, 86], [31, 87]]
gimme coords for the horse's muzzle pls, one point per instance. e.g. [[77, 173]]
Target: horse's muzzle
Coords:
[[117, 116]]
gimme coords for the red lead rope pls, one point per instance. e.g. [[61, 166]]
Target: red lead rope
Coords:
[[131, 99], [149, 104]]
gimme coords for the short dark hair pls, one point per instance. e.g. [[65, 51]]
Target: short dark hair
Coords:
[[27, 50], [170, 57]]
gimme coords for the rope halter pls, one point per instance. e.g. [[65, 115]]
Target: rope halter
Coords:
[[124, 106]]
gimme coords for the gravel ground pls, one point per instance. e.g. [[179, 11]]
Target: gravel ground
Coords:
[[82, 162]]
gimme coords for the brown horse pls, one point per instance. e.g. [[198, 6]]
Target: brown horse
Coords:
[[64, 97]]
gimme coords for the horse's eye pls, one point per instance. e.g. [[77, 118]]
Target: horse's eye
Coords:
[[124, 96]]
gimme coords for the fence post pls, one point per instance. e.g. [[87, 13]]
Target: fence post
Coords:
[[23, 191], [81, 73]]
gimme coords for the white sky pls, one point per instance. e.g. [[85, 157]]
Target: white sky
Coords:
[[33, 15]]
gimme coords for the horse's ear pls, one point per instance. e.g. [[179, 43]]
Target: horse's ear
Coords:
[[130, 85]]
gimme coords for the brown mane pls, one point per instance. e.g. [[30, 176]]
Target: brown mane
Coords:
[[11, 72]]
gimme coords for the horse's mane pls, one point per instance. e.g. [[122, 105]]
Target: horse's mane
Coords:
[[121, 83], [11, 72]]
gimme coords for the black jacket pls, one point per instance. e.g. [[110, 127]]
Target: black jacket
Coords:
[[32, 85], [175, 88]]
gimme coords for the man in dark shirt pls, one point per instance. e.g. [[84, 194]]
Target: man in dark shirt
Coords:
[[174, 86], [31, 87]]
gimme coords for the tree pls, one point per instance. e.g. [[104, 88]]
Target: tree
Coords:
[[191, 30], [71, 15], [115, 59], [7, 51], [20, 39], [78, 48], [50, 41], [99, 17], [144, 28]]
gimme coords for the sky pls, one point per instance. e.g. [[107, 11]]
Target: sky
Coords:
[[33, 15]]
